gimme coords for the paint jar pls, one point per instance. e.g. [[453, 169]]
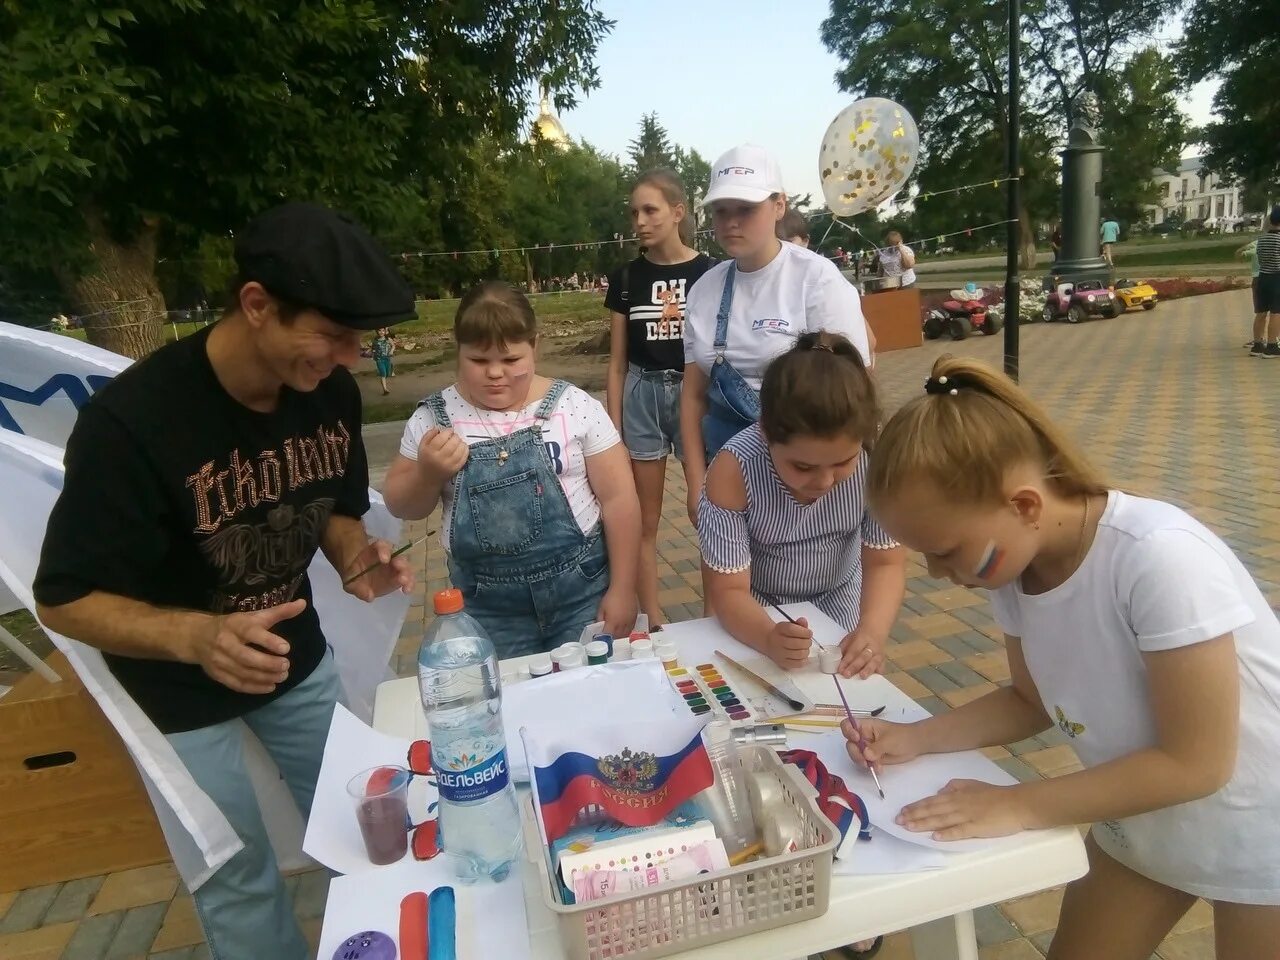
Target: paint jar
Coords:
[[597, 652], [576, 657], [565, 653], [606, 639], [666, 652], [829, 659], [641, 648], [523, 673], [621, 650], [380, 796], [540, 665], [726, 802]]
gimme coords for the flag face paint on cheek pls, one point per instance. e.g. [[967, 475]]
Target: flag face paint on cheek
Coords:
[[990, 562]]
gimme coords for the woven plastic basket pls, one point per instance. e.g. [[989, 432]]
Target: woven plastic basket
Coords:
[[714, 907]]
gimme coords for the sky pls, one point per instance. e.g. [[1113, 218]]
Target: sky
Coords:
[[722, 74]]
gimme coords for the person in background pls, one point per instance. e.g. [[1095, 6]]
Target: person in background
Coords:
[[896, 259], [1055, 240], [1130, 627], [540, 520], [750, 308], [794, 227], [1266, 291], [383, 348], [646, 300], [1110, 232], [179, 545]]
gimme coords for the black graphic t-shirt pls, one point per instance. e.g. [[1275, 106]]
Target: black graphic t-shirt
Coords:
[[181, 497], [652, 299]]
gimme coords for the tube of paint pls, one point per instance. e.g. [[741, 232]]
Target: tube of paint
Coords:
[[597, 652]]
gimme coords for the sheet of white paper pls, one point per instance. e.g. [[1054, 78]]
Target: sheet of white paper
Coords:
[[633, 691], [884, 853], [908, 782], [491, 916], [333, 835]]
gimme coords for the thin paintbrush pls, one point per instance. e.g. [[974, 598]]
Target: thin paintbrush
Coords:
[[788, 700], [395, 553], [862, 743]]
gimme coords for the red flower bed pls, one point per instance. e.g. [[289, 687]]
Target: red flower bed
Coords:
[[1176, 288]]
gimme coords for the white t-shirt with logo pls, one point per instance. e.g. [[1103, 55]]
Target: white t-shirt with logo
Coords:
[[579, 427], [797, 292], [891, 264], [1156, 579]]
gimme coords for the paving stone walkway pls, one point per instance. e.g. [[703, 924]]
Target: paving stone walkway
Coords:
[[1167, 403]]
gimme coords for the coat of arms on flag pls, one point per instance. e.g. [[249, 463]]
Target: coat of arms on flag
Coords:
[[633, 774]]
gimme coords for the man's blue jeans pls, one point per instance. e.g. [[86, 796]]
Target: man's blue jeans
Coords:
[[244, 908]]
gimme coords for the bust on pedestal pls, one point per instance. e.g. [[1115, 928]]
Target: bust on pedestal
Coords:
[[1080, 258]]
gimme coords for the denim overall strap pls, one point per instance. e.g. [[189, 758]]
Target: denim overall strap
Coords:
[[435, 403], [722, 315], [548, 404]]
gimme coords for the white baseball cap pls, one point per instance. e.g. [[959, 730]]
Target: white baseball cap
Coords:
[[745, 173]]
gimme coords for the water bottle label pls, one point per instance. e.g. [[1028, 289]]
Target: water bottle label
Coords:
[[461, 779]]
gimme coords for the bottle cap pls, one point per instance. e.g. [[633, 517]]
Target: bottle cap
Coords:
[[666, 650], [540, 665], [447, 601], [597, 648], [641, 648], [622, 649]]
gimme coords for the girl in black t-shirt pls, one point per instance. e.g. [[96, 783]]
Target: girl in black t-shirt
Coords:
[[646, 355]]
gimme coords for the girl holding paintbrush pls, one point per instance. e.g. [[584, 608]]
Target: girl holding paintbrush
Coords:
[[782, 518], [1131, 627]]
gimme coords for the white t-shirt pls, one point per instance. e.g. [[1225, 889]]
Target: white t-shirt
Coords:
[[891, 264], [797, 292], [579, 427], [1156, 579]]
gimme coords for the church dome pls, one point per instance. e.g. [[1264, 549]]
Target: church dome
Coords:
[[547, 128]]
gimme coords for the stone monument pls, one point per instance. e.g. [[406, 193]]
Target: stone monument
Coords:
[[1081, 255]]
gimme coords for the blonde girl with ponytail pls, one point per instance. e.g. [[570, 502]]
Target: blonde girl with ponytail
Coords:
[[1129, 626]]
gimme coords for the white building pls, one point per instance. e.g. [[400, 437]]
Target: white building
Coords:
[[1197, 193]]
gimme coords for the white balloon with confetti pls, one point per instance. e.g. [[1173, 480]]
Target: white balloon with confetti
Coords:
[[867, 154]]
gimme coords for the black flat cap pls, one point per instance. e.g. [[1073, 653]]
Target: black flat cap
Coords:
[[315, 257]]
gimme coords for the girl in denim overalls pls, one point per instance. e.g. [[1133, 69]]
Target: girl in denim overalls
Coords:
[[746, 311], [541, 522]]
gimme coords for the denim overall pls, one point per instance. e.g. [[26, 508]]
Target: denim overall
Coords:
[[732, 403], [526, 570]]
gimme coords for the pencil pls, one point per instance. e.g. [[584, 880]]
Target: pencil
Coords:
[[395, 553]]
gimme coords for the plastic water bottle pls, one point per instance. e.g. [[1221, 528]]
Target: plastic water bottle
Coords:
[[462, 696]]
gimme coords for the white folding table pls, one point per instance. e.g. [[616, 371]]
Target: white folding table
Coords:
[[936, 906]]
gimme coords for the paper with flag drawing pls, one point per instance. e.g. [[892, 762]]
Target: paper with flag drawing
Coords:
[[636, 773]]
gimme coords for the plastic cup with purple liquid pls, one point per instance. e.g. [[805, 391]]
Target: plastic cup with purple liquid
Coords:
[[380, 796]]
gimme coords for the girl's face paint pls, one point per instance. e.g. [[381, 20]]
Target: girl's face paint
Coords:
[[989, 561]]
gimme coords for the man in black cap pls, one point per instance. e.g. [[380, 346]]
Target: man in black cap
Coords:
[[199, 484]]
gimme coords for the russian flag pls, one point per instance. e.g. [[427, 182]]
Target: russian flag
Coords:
[[633, 774]]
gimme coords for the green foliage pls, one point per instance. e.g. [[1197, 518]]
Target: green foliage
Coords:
[[1145, 130], [196, 114], [652, 147], [1238, 43]]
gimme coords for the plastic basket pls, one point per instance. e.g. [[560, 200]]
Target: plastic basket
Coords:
[[712, 908]]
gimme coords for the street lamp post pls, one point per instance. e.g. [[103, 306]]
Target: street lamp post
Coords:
[[1012, 283]]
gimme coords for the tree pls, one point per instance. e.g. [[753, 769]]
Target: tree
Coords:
[[1144, 130], [947, 63], [1232, 41], [159, 122], [652, 147]]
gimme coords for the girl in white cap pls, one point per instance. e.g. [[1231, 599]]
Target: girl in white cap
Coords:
[[750, 308]]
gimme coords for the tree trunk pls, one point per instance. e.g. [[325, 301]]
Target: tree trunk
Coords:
[[118, 298]]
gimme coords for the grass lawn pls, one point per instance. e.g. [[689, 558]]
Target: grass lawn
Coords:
[[1218, 253]]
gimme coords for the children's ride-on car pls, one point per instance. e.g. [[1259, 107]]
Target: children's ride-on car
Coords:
[[959, 316], [1136, 293], [1080, 301]]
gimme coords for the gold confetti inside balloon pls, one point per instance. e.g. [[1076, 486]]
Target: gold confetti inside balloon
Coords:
[[873, 143]]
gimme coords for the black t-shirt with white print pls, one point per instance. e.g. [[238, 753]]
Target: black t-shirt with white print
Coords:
[[178, 496], [652, 299]]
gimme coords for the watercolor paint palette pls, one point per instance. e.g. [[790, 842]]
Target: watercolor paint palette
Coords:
[[705, 690]]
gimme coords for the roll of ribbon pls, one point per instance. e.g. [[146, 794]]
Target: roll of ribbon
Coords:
[[782, 833]]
